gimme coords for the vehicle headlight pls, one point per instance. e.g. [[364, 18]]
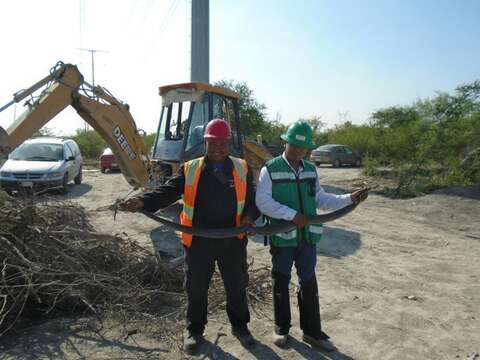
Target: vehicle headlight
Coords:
[[55, 174], [5, 174]]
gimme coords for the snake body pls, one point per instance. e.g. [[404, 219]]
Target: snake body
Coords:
[[267, 230]]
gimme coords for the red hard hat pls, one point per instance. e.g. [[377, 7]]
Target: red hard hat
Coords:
[[218, 129]]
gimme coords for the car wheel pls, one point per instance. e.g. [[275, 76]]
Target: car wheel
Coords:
[[102, 170], [65, 183], [358, 163], [336, 163], [78, 178], [318, 164]]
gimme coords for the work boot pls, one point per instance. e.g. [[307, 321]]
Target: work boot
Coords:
[[191, 341], [244, 336], [280, 340], [321, 343]]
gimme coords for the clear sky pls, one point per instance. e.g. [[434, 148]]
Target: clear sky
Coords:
[[340, 60]]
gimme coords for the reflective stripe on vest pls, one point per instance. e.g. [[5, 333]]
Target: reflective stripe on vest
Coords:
[[192, 172]]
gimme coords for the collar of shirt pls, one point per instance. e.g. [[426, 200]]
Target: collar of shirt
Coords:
[[226, 166], [300, 168]]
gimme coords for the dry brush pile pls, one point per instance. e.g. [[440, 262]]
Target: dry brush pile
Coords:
[[52, 261]]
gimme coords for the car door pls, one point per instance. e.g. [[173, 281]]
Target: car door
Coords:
[[340, 154], [69, 164], [78, 157], [349, 155]]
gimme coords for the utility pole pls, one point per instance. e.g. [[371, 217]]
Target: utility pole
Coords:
[[200, 48], [92, 53]]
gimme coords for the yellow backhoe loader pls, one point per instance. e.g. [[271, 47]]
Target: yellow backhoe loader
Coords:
[[186, 109]]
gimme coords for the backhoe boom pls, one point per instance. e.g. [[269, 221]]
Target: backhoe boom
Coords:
[[102, 111]]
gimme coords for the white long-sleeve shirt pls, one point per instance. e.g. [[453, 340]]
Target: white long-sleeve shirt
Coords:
[[267, 205]]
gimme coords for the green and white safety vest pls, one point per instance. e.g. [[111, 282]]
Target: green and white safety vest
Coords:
[[298, 193]]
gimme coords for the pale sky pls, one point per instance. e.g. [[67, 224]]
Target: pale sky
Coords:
[[335, 59]]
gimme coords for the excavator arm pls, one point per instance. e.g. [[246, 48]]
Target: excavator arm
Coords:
[[102, 111]]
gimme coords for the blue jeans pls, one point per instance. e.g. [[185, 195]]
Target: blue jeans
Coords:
[[304, 256]]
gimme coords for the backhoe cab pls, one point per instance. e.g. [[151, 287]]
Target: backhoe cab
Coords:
[[186, 110]]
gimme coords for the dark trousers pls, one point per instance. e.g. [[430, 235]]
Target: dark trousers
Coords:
[[231, 256], [304, 257]]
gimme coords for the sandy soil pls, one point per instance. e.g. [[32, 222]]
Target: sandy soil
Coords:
[[399, 279]]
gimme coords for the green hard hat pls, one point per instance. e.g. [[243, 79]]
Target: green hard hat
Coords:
[[299, 134]]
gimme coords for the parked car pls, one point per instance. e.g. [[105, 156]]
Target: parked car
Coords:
[[108, 160], [42, 164], [336, 155]]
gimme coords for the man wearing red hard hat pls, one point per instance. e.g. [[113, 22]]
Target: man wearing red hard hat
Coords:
[[217, 192]]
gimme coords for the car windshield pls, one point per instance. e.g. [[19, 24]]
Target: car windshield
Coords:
[[327, 147], [38, 152]]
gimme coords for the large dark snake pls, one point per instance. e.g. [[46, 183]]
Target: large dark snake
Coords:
[[267, 230]]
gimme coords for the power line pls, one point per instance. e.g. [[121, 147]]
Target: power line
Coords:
[[168, 17]]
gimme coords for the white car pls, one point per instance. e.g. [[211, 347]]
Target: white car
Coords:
[[42, 164]]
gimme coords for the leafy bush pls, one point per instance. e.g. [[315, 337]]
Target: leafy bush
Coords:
[[90, 142], [149, 140]]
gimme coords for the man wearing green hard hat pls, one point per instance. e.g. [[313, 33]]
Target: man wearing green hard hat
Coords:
[[289, 189]]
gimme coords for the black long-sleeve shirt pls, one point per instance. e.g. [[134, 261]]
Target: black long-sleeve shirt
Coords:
[[215, 203]]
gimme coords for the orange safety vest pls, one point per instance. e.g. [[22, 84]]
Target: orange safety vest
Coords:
[[192, 171]]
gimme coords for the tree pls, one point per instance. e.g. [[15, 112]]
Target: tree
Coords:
[[394, 117], [252, 113], [317, 125], [149, 139], [91, 144]]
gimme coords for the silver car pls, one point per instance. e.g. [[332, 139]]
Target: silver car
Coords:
[[335, 154], [42, 164]]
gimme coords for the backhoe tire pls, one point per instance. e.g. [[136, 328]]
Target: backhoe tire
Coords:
[[78, 178]]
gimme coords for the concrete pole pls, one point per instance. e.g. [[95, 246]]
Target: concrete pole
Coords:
[[200, 49]]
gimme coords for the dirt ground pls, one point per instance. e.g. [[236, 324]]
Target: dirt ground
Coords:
[[399, 279]]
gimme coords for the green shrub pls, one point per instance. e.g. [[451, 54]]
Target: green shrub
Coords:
[[91, 144]]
